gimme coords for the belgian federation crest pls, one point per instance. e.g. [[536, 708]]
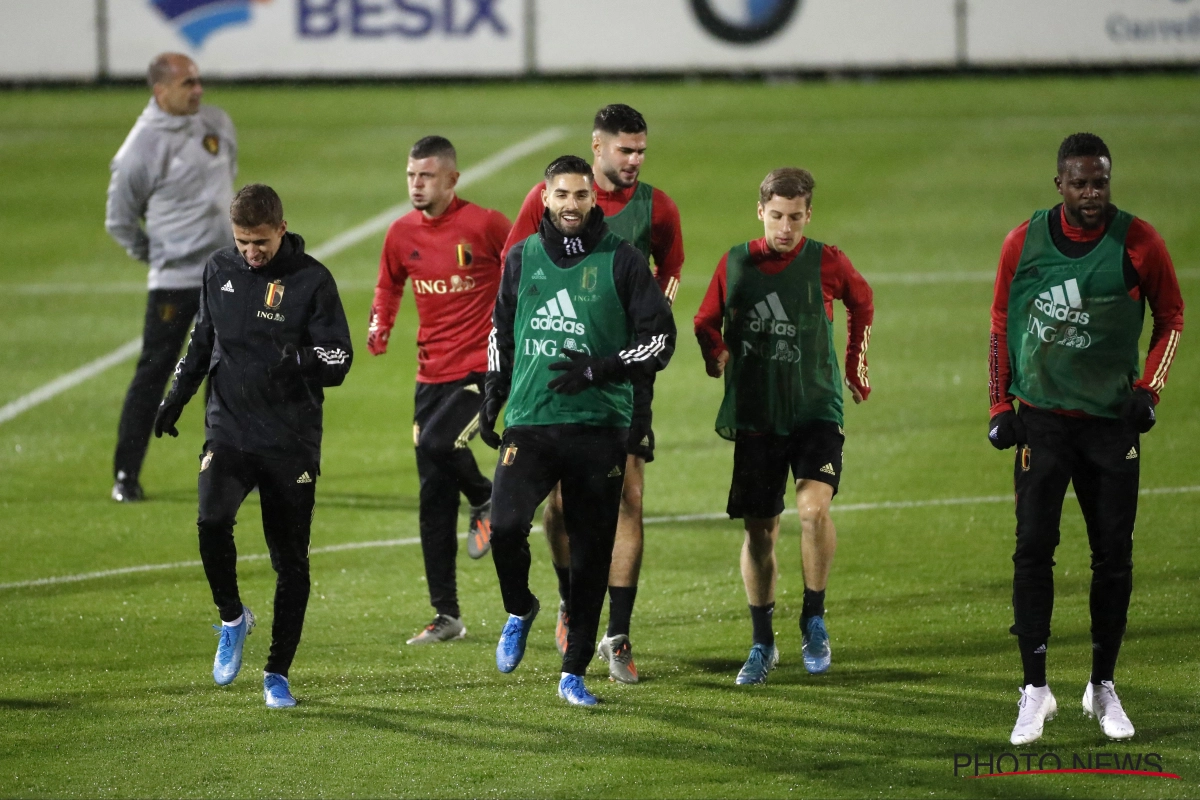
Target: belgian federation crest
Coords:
[[590, 276], [212, 143], [462, 254], [274, 295]]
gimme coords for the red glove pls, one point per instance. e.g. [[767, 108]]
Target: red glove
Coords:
[[377, 335]]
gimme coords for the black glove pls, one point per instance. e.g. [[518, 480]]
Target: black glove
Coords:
[[1138, 411], [1006, 430], [168, 414], [581, 371], [291, 362], [489, 412]]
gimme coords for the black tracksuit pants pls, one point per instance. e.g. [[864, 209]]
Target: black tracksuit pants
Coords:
[[445, 417], [590, 464], [169, 315], [286, 490], [1101, 457]]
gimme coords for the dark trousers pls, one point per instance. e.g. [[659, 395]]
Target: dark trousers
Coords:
[[286, 490], [590, 464], [1101, 457], [445, 417], [169, 315]]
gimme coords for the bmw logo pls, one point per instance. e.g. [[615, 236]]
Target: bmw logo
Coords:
[[744, 21]]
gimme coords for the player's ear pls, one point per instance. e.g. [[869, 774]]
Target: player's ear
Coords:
[[282, 227], [454, 179], [596, 143], [1058, 183], [761, 211]]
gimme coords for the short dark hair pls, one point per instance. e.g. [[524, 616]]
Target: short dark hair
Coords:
[[256, 204], [619, 118], [787, 182], [1082, 145], [161, 68], [568, 165], [434, 147]]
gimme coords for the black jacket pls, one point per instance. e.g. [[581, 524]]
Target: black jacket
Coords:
[[652, 328], [240, 333]]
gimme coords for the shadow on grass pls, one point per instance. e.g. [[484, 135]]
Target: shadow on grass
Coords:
[[21, 704]]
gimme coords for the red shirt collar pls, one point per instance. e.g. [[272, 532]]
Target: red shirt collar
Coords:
[[761, 252], [441, 219], [617, 195]]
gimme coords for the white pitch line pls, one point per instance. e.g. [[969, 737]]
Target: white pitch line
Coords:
[[64, 382], [338, 548], [484, 169]]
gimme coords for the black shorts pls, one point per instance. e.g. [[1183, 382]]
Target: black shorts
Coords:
[[643, 449], [761, 462]]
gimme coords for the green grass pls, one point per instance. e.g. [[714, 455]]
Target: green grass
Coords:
[[104, 684]]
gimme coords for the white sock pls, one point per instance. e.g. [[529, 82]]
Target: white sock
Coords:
[[234, 623]]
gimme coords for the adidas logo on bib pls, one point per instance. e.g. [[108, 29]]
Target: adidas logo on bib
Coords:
[[557, 315], [539, 275], [228, 287], [1062, 303], [768, 316], [305, 478]]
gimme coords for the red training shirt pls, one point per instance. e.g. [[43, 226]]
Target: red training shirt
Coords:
[[1156, 282], [839, 281], [666, 238], [454, 263]]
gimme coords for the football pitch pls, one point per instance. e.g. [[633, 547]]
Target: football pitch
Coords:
[[105, 683]]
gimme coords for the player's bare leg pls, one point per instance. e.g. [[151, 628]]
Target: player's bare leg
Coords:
[[759, 567], [560, 555], [818, 541], [760, 571]]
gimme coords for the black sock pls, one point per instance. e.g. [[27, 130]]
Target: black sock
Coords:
[[814, 605], [1104, 659], [1033, 660], [620, 609], [564, 582], [760, 617]]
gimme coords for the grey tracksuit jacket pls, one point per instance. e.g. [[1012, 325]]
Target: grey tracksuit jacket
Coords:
[[176, 173]]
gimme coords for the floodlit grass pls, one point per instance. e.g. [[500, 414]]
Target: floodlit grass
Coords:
[[105, 687]]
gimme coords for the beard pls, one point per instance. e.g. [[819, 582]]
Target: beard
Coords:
[[566, 229], [618, 180]]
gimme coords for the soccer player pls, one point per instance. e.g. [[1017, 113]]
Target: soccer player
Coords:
[[578, 321], [450, 250], [649, 220], [270, 336], [766, 325], [1070, 297], [174, 174]]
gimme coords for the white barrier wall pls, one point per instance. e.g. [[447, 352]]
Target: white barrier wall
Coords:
[[58, 39], [675, 35], [52, 39], [240, 38], [1005, 32]]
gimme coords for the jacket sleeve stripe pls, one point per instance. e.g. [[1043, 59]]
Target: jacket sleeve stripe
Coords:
[[1160, 374]]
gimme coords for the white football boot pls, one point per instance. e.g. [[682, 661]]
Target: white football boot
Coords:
[[1102, 701], [1037, 707]]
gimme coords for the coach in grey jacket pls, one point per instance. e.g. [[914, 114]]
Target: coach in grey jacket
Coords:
[[168, 205]]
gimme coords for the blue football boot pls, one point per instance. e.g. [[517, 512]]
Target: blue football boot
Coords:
[[762, 660], [571, 689], [816, 646], [511, 647], [276, 692], [229, 649]]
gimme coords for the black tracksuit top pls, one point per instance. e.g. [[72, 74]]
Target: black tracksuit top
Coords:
[[240, 332]]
